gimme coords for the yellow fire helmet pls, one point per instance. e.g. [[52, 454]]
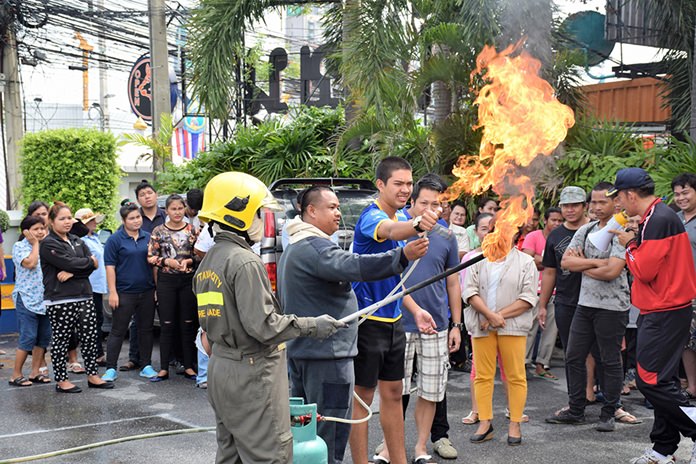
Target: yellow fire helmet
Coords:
[[233, 198]]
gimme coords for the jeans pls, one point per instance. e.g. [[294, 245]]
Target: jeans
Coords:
[[564, 317], [34, 329], [142, 306], [133, 353], [202, 373], [177, 303], [606, 328]]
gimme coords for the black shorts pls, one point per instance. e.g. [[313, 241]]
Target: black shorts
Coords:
[[381, 351]]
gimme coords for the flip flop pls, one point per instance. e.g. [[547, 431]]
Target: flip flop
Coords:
[[423, 459], [626, 417], [75, 368], [20, 382], [377, 459], [545, 375], [39, 379]]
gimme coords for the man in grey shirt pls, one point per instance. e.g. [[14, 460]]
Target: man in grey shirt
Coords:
[[684, 188], [601, 315]]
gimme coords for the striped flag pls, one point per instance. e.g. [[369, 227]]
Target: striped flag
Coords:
[[188, 144]]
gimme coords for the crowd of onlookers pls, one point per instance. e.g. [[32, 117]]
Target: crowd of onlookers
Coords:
[[64, 275], [559, 281]]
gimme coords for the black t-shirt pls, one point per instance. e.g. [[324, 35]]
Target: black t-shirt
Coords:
[[567, 283]]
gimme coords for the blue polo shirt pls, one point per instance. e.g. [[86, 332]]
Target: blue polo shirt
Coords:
[[129, 257], [365, 242], [150, 224], [443, 254]]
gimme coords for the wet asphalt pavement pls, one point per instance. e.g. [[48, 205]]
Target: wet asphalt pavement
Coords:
[[38, 420]]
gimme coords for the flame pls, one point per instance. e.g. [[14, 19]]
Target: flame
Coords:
[[521, 119]]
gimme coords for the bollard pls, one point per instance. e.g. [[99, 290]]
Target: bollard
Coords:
[[307, 447]]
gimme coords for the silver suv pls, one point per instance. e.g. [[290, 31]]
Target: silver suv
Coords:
[[353, 194]]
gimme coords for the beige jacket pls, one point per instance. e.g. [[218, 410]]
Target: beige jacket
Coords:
[[519, 281]]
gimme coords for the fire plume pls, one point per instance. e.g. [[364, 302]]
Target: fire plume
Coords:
[[520, 120]]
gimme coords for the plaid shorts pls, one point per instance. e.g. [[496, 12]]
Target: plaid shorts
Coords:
[[432, 364]]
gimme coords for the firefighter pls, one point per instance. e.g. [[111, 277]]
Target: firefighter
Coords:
[[247, 375]]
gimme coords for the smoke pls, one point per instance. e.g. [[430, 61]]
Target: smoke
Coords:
[[531, 20]]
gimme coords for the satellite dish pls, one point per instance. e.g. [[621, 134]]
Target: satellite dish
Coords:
[[585, 30]]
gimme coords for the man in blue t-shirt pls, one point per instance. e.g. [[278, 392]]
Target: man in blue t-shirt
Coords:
[[381, 340], [431, 351]]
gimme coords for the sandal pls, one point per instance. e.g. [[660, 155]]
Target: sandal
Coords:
[[377, 459], [525, 418], [129, 366], [75, 368], [545, 375], [20, 382], [39, 379], [422, 459], [626, 417], [471, 418]]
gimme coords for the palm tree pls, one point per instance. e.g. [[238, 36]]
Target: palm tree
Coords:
[[674, 21]]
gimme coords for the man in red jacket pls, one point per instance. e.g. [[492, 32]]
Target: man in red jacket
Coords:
[[664, 283]]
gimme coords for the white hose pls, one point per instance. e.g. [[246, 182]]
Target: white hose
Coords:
[[352, 421], [366, 312], [105, 443]]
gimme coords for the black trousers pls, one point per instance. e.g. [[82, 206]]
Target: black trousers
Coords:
[[440, 427], [177, 302], [65, 319], [661, 340], [99, 307], [142, 306], [605, 328], [564, 318]]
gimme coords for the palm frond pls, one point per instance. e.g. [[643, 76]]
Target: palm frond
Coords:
[[216, 36]]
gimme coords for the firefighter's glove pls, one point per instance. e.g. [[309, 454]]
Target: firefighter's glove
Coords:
[[327, 326]]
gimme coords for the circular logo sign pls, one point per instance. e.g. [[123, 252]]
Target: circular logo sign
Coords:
[[140, 88]]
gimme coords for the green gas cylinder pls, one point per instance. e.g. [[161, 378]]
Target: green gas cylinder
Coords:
[[307, 447]]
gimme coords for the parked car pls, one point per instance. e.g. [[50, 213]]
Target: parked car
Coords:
[[353, 194]]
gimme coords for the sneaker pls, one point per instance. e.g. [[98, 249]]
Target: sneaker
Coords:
[[564, 416], [148, 372], [649, 457], [444, 448], [110, 375], [606, 425]]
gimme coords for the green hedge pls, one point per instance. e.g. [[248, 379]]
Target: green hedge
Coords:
[[76, 166]]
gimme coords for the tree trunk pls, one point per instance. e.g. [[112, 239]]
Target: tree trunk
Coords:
[[442, 94]]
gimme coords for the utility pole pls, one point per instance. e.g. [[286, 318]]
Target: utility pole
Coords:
[[14, 123], [103, 83], [159, 69]]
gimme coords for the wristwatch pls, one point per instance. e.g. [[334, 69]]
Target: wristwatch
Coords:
[[458, 325], [416, 223]]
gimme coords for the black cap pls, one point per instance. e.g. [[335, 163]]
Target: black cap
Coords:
[[628, 178]]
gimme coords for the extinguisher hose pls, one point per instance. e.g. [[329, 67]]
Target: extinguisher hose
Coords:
[[352, 421]]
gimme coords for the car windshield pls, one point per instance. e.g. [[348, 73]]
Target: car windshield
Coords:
[[352, 201]]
